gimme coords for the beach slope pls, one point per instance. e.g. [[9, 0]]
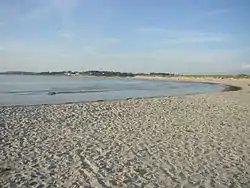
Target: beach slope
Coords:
[[190, 141]]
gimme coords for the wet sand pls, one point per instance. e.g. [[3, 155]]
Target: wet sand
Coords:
[[188, 141]]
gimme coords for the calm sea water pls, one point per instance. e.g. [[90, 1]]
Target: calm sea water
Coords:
[[26, 90]]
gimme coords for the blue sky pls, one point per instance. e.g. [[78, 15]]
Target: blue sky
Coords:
[[179, 36]]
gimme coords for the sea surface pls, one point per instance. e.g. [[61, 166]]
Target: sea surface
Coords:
[[32, 90]]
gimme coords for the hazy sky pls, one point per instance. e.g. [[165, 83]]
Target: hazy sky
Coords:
[[179, 36]]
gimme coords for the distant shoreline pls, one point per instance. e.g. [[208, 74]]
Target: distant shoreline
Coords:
[[177, 79], [205, 80], [114, 74]]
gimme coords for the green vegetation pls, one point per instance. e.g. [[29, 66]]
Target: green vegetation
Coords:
[[123, 74], [107, 74]]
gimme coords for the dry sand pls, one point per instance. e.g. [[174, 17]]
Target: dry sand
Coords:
[[192, 141]]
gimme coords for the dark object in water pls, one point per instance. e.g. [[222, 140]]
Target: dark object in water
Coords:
[[99, 101], [129, 98], [231, 88], [51, 93]]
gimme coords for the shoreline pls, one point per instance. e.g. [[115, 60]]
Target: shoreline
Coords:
[[225, 88], [228, 84], [192, 141]]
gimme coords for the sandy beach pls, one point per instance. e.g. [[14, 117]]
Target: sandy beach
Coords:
[[187, 141]]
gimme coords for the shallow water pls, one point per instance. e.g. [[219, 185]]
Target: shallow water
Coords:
[[30, 90]]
